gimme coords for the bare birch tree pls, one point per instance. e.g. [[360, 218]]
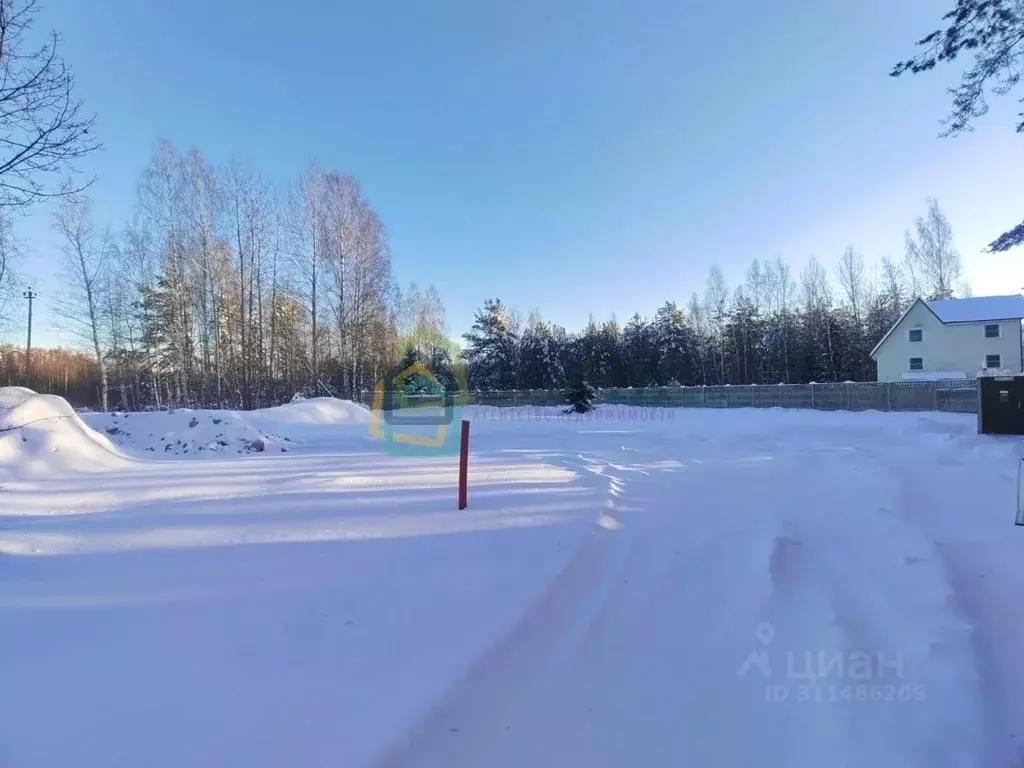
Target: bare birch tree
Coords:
[[43, 127], [307, 233], [930, 254], [716, 297], [86, 260], [8, 253], [851, 274], [818, 304], [162, 220]]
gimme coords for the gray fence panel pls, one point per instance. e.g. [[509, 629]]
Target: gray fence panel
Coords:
[[954, 395]]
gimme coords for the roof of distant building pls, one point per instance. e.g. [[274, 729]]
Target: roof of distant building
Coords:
[[978, 309]]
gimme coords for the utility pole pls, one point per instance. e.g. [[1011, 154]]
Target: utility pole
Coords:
[[28, 346]]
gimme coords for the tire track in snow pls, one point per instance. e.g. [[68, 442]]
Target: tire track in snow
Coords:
[[887, 597], [565, 672], [982, 683], [633, 655], [527, 648]]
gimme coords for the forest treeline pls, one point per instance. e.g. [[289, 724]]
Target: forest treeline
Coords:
[[227, 290], [223, 293], [776, 327]]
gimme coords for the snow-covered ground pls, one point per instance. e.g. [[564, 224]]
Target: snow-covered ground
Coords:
[[702, 587], [184, 432]]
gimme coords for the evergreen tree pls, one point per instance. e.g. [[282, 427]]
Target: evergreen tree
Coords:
[[744, 341], [442, 365], [673, 343], [609, 352], [639, 354], [492, 352], [993, 32], [592, 363], [540, 365], [580, 396]]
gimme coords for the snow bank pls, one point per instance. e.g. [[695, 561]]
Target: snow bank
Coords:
[[12, 396], [316, 410], [198, 433], [185, 432], [42, 435]]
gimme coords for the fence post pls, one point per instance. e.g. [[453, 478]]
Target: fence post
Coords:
[[647, 396], [514, 397], [704, 396], [812, 394], [1020, 495], [464, 465], [981, 422], [849, 405], [935, 395], [888, 395], [726, 397]]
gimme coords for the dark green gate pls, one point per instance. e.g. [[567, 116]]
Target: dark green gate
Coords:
[[1001, 405]]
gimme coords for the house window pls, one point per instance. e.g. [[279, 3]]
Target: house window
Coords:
[[916, 334], [917, 363], [992, 330], [992, 361]]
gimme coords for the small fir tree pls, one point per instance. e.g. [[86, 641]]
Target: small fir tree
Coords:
[[580, 396]]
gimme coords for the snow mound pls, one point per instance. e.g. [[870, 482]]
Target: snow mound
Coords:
[[12, 396], [315, 410], [42, 435], [201, 433], [185, 432]]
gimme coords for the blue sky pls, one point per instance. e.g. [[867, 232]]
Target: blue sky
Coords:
[[574, 157]]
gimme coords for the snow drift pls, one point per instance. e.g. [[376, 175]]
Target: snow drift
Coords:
[[42, 435], [204, 433], [185, 432], [316, 410]]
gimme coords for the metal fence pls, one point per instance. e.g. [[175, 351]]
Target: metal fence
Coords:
[[954, 395]]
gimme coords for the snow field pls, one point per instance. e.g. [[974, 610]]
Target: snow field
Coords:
[[743, 587]]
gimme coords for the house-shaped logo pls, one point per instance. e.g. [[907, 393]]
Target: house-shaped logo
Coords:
[[414, 421]]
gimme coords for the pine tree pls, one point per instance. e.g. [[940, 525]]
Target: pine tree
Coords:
[[493, 348], [443, 368], [580, 396], [609, 345], [540, 365], [638, 352], [673, 341]]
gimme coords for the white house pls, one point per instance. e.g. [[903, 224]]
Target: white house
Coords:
[[953, 338]]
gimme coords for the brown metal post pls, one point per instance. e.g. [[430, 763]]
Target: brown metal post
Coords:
[[463, 464]]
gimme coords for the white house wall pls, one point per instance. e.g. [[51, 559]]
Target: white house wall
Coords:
[[950, 347]]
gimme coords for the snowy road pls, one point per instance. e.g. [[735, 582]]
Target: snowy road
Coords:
[[772, 588], [815, 559]]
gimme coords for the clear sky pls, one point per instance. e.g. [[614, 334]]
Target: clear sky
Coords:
[[571, 156]]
